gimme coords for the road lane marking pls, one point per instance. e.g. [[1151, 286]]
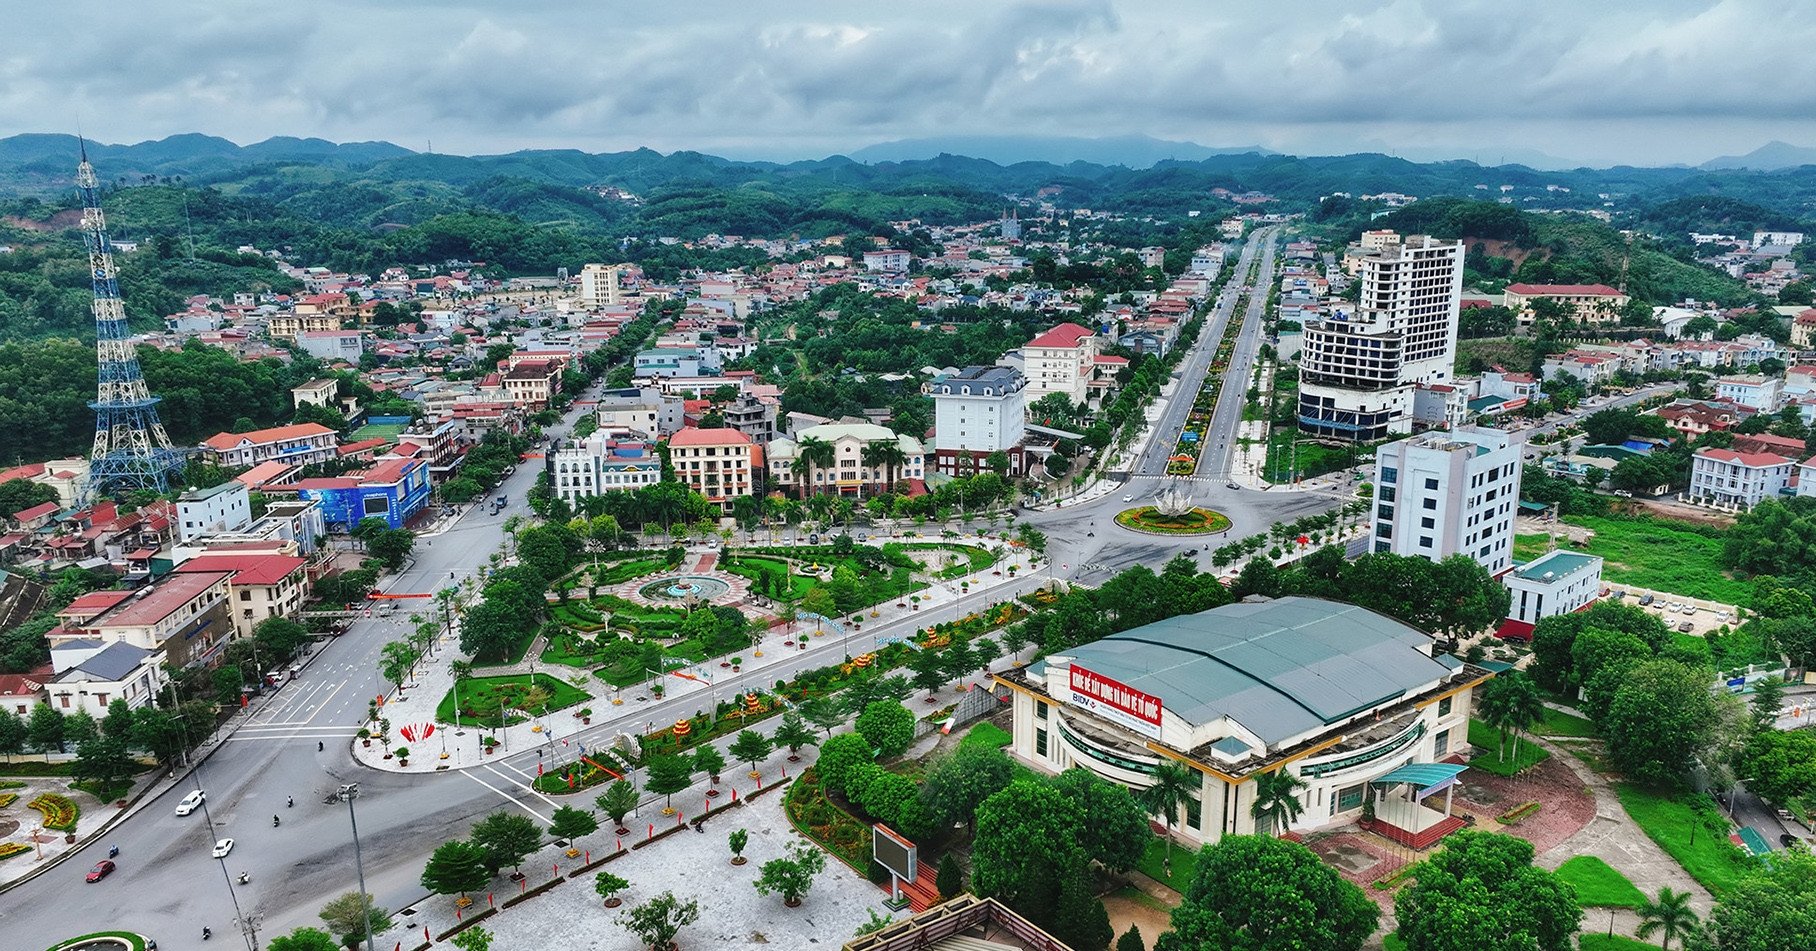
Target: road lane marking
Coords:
[[468, 773]]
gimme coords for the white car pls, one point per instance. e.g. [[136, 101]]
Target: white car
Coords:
[[1128, 498], [1689, 609], [191, 802], [221, 849]]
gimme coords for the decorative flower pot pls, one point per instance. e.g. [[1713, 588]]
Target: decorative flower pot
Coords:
[[738, 860], [613, 902]]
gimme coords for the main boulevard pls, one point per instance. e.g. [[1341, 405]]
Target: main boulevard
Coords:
[[297, 742]]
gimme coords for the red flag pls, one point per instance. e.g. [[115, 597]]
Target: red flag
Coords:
[[652, 830], [570, 780], [589, 856], [457, 915], [557, 868], [425, 932], [489, 903], [734, 791], [539, 769], [621, 843]]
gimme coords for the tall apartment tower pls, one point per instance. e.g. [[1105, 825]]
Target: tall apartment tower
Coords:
[[1448, 493], [1358, 369], [599, 284], [131, 449]]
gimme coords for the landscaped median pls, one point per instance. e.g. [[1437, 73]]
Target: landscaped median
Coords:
[[1197, 521], [127, 941]]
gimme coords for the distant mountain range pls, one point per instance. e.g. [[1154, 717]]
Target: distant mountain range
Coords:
[[1769, 157], [1131, 151], [52, 154]]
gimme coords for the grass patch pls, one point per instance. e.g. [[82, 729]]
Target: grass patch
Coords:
[[134, 941], [1661, 555], [1391, 941], [1489, 740], [1691, 830], [987, 734], [1311, 460], [1598, 884], [35, 768], [1153, 864], [1618, 942], [1198, 521], [1559, 723], [483, 698], [755, 568]]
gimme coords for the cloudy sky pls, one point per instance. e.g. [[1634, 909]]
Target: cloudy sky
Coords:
[[1599, 82]]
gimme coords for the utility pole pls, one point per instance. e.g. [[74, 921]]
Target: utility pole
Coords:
[[347, 793]]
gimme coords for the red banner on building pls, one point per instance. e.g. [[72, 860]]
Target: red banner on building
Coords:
[[1116, 701]]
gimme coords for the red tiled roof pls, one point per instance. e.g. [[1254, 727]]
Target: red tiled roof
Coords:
[[1563, 290], [224, 441], [262, 473], [1064, 335], [37, 511], [353, 448], [1754, 460], [693, 436], [93, 603], [37, 468], [247, 569]]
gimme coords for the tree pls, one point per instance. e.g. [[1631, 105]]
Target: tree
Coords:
[[669, 774], [1482, 891], [792, 734], [819, 601], [950, 881], [391, 546], [104, 761], [1169, 787], [841, 756], [1277, 800], [1669, 914], [1266, 894], [456, 868], [657, 921], [46, 727], [607, 886], [507, 839], [304, 939], [887, 726], [1028, 838], [1511, 703], [1771, 908], [1781, 764], [1115, 828], [825, 713], [736, 841], [1081, 920], [618, 800], [349, 914], [929, 670], [491, 630], [570, 823], [395, 661], [1658, 720], [791, 876], [13, 733], [708, 760], [473, 939], [750, 747], [1131, 940], [955, 785], [1768, 699]]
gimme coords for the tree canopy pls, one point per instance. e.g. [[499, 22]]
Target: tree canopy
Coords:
[[1257, 893]]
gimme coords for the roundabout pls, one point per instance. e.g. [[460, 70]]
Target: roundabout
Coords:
[[105, 941], [1193, 521]]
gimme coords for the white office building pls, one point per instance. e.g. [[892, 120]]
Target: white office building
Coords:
[[1738, 480], [1557, 582], [1448, 493], [599, 284], [601, 463], [224, 508], [978, 411], [1359, 367]]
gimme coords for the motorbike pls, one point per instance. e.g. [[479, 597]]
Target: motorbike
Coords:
[[274, 822]]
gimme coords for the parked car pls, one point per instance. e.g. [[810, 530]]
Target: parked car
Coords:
[[1686, 627], [221, 849], [1645, 600], [1689, 609], [101, 870], [191, 802]]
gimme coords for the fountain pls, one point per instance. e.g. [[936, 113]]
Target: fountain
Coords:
[[684, 588]]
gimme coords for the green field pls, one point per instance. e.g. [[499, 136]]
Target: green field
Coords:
[[377, 431], [754, 567], [1692, 830], [485, 693], [1654, 554], [1489, 761], [1605, 942], [1185, 864], [1559, 723], [1598, 885]]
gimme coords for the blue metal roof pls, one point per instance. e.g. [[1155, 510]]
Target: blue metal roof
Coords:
[[1422, 775]]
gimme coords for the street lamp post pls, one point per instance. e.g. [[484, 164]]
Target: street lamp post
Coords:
[[347, 793]]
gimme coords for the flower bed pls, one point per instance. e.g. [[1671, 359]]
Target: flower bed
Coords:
[[483, 698], [10, 849], [60, 812], [1521, 811], [7, 799], [1198, 521], [816, 817]]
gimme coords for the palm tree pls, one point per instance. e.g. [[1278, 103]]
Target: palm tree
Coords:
[[1669, 913], [1171, 786], [812, 453], [1511, 703], [886, 456], [1277, 800]]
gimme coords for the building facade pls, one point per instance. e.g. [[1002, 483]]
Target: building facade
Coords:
[[1442, 494], [1557, 582], [1727, 479], [1589, 303], [976, 412], [1062, 360], [301, 444], [852, 470], [394, 490], [720, 464], [1349, 702], [182, 616], [1357, 370], [224, 508], [603, 462], [261, 585]]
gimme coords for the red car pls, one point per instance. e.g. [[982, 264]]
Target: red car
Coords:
[[101, 870]]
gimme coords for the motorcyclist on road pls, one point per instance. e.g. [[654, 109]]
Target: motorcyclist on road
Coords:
[[289, 801], [274, 820]]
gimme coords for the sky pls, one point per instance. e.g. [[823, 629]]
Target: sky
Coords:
[[1671, 81]]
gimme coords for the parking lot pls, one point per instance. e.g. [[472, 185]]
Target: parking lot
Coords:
[[1702, 617]]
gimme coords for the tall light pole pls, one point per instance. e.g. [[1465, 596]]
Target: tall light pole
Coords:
[[347, 793]]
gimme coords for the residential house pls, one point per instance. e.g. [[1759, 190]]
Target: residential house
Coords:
[[261, 585], [224, 508], [92, 674], [1727, 479], [851, 470], [720, 464], [298, 444], [1759, 392], [184, 617], [605, 461]]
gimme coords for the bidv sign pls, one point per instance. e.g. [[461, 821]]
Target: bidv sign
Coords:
[[1116, 701]]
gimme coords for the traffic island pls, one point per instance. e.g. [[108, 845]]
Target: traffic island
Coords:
[[105, 941], [1192, 521]]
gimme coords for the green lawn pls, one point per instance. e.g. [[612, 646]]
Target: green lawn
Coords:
[[986, 734], [754, 567], [1313, 459], [1598, 884], [1489, 761], [1559, 723], [1185, 863], [1692, 830], [1606, 942], [483, 693], [1656, 554], [1391, 941]]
